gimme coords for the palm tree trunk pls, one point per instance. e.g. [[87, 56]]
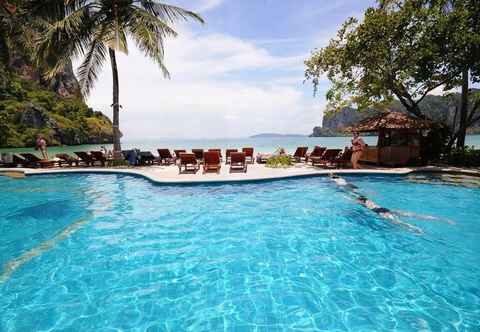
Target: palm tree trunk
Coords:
[[463, 111], [117, 148]]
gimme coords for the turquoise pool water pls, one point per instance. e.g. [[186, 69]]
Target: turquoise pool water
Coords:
[[117, 253]]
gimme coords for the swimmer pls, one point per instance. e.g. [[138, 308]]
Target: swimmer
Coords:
[[386, 214], [371, 205], [343, 183]]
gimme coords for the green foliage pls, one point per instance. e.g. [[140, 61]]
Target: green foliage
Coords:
[[66, 120], [467, 157], [387, 54], [119, 163], [91, 29], [279, 161], [400, 49]]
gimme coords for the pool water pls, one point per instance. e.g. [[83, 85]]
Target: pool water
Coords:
[[118, 253]]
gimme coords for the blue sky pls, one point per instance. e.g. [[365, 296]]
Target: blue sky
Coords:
[[239, 74]]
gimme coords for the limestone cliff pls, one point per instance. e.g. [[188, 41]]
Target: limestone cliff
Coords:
[[30, 106], [435, 107]]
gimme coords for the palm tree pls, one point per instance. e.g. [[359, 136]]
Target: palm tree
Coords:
[[95, 28]]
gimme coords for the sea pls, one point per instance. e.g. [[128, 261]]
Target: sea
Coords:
[[260, 144]]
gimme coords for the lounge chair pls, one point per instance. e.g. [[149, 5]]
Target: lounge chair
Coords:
[[99, 156], [85, 158], [327, 158], [33, 161], [198, 154], [165, 157], [188, 162], [177, 153], [344, 159], [219, 152], [249, 155], [238, 162], [66, 159], [19, 161], [317, 152], [300, 153], [10, 160], [227, 154], [211, 161]]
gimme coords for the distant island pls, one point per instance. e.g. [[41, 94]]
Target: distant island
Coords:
[[270, 135]]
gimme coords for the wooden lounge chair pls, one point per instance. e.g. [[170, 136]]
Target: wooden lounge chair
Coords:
[[165, 157], [219, 152], [327, 158], [66, 159], [317, 152], [177, 153], [19, 161], [227, 154], [10, 160], [300, 153], [85, 158], [344, 159], [238, 162], [198, 154], [99, 156], [249, 155], [211, 161], [188, 162], [33, 161]]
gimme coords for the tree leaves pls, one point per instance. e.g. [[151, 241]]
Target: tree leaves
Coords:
[[90, 28], [396, 50]]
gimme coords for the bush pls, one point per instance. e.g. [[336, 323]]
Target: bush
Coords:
[[119, 163], [280, 161], [467, 156]]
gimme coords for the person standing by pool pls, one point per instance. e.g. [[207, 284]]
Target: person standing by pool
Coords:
[[358, 145], [41, 144]]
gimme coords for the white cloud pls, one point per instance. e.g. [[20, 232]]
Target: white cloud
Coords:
[[221, 86], [206, 5], [201, 6]]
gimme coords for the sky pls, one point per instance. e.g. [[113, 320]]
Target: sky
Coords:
[[240, 74]]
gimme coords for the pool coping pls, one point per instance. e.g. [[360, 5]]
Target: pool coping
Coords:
[[249, 178]]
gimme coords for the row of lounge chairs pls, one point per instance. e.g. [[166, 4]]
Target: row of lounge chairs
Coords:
[[212, 162], [165, 156], [24, 160], [321, 156], [30, 160], [211, 159]]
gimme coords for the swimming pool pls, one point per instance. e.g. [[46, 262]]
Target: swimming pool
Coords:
[[110, 252]]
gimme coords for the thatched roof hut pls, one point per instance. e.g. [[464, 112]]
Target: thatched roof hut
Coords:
[[390, 121], [399, 138]]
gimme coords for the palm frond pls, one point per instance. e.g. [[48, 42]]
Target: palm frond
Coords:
[[168, 13], [64, 40], [149, 32], [95, 57]]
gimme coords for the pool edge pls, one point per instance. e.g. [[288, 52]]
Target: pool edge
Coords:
[[322, 172]]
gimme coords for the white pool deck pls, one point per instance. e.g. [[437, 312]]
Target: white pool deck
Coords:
[[256, 172]]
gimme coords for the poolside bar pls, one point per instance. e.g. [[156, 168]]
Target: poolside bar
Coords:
[[399, 138]]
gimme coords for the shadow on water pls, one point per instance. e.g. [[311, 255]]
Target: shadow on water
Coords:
[[56, 209]]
